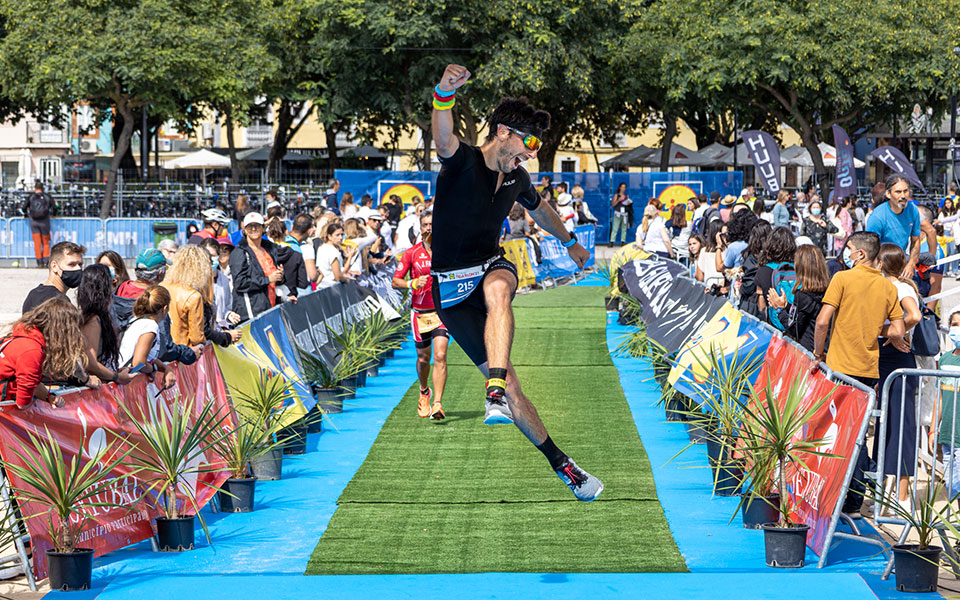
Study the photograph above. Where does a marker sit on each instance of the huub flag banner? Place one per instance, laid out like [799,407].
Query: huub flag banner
[895,159]
[765,153]
[846,181]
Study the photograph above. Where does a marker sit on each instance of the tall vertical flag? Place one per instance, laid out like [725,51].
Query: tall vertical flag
[765,153]
[846,181]
[895,159]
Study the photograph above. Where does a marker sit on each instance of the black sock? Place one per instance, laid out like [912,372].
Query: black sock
[494,379]
[552,453]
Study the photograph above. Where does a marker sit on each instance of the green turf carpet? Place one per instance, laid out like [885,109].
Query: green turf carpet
[458,496]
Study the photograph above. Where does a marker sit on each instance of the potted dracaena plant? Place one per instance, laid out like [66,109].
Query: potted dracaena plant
[66,491]
[379,336]
[917,565]
[249,440]
[717,413]
[264,405]
[608,271]
[353,355]
[170,454]
[775,439]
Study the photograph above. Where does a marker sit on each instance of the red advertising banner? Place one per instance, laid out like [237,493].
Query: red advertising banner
[92,419]
[816,490]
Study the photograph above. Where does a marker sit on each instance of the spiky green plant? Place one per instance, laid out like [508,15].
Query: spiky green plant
[266,398]
[353,355]
[247,441]
[172,447]
[379,334]
[775,438]
[66,489]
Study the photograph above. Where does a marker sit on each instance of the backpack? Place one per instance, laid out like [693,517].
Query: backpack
[703,223]
[38,207]
[784,280]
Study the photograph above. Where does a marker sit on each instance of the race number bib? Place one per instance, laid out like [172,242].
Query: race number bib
[455,286]
[427,322]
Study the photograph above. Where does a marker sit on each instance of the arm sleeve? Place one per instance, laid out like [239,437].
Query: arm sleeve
[211,330]
[528,198]
[404,266]
[194,309]
[244,279]
[457,160]
[28,368]
[835,292]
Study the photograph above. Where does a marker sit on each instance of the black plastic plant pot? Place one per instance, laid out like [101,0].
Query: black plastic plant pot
[674,408]
[758,510]
[293,439]
[329,399]
[612,303]
[175,535]
[351,383]
[389,353]
[70,571]
[916,569]
[314,418]
[714,447]
[361,378]
[727,479]
[236,495]
[268,467]
[785,546]
[373,369]
[698,431]
[381,361]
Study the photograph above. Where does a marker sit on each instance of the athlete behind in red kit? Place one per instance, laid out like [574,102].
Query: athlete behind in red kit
[473,285]
[428,331]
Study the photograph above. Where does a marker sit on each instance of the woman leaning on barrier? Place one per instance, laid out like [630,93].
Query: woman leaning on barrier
[44,342]
[898,355]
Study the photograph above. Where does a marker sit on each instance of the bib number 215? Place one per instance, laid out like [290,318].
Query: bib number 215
[465,286]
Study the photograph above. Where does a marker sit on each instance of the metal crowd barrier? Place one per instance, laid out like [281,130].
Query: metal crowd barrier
[936,468]
[126,236]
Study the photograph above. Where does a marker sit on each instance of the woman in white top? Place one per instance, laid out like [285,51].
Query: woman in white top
[329,259]
[707,261]
[357,238]
[141,344]
[897,354]
[653,231]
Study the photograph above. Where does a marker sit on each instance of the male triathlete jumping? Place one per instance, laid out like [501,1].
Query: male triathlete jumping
[473,284]
[428,330]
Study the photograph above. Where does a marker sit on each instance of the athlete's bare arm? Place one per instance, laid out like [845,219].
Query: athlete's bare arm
[548,220]
[444,140]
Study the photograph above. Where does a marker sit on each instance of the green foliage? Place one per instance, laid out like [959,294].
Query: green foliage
[247,441]
[265,402]
[172,449]
[772,439]
[67,490]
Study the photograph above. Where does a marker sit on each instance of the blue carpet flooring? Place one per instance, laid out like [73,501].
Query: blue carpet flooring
[263,554]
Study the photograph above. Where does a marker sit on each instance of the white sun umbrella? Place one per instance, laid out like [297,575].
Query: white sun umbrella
[829,154]
[201,159]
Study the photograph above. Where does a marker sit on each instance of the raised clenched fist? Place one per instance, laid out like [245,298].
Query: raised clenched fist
[454,76]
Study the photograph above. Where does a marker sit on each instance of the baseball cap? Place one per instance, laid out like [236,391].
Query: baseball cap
[253,217]
[225,240]
[150,259]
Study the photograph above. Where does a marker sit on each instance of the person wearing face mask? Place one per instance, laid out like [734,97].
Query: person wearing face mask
[857,304]
[64,272]
[945,415]
[118,270]
[816,227]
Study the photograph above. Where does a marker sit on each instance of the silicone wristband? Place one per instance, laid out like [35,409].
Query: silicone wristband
[438,106]
[569,243]
[444,94]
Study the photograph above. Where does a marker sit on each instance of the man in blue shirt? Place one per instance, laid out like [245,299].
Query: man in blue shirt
[897,221]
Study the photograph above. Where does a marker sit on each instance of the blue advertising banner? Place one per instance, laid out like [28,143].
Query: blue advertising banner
[598,188]
[273,335]
[129,236]
[554,259]
[86,232]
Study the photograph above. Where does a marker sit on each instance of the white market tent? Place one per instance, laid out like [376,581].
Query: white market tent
[798,156]
[201,159]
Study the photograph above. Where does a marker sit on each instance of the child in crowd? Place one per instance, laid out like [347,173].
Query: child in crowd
[800,318]
[140,343]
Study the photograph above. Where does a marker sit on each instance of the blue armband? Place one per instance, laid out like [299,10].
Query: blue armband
[569,243]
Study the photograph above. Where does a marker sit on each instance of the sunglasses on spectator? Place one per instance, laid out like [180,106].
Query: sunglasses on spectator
[530,141]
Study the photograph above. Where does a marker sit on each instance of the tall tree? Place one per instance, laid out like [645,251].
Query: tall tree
[810,64]
[125,54]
